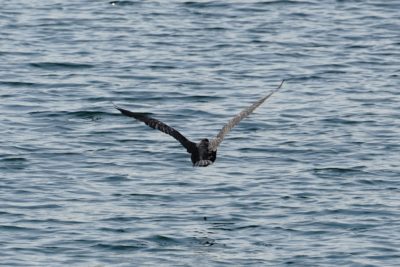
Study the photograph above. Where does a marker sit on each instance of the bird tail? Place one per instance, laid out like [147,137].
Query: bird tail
[202,163]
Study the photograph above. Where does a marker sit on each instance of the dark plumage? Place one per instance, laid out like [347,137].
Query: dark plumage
[203,153]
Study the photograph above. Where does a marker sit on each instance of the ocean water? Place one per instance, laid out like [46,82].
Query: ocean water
[311,178]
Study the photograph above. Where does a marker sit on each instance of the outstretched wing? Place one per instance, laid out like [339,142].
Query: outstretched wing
[233,122]
[156,124]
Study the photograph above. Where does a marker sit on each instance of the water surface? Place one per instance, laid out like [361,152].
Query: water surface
[310,179]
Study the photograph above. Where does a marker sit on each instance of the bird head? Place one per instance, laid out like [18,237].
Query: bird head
[204,142]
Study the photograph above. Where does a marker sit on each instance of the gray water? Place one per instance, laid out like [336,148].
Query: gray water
[312,178]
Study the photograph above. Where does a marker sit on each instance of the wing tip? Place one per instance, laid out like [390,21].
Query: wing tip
[277,88]
[280,85]
[115,106]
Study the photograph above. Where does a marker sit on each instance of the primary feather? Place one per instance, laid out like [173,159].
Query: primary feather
[156,124]
[235,121]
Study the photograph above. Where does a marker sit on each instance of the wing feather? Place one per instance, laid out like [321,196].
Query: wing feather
[233,122]
[156,124]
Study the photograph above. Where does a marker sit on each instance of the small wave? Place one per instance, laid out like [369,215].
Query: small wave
[122,3]
[19,84]
[37,207]
[121,247]
[210,4]
[339,169]
[15,163]
[14,159]
[329,171]
[163,241]
[15,228]
[341,121]
[60,65]
[90,115]
[284,2]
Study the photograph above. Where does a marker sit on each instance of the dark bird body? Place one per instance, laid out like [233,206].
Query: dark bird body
[203,153]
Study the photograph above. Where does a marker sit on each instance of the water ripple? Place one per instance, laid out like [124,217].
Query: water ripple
[309,179]
[60,65]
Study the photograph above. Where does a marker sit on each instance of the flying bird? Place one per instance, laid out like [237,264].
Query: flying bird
[204,152]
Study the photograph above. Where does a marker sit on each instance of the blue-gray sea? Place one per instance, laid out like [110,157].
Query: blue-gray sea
[311,178]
